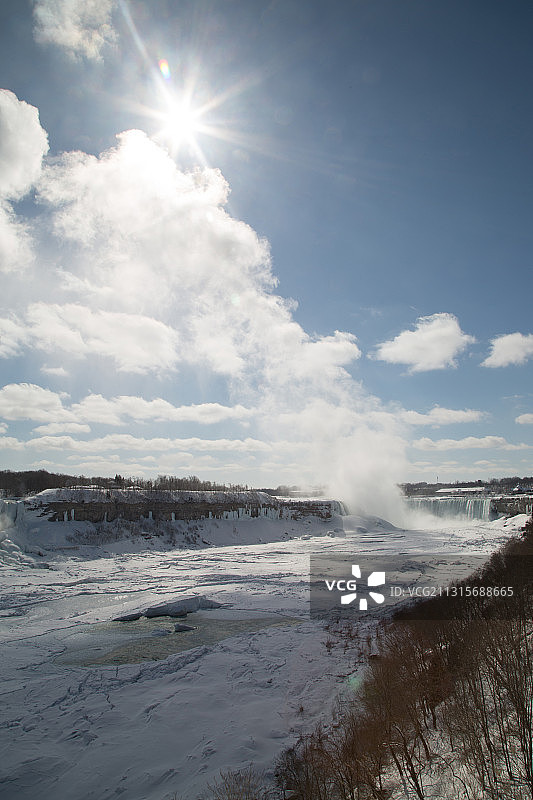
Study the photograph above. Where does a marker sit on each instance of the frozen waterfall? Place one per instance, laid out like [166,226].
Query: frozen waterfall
[466,507]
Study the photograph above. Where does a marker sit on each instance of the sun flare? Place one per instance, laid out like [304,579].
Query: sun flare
[181,124]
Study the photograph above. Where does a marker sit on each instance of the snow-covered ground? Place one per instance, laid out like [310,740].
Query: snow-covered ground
[80,722]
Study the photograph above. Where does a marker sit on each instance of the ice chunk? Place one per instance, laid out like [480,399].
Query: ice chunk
[181,607]
[175,608]
[128,617]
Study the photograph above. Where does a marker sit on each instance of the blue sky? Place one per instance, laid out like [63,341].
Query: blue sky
[311,263]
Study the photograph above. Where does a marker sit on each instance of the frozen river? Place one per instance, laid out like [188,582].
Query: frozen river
[236,689]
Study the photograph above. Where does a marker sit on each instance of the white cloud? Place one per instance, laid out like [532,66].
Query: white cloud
[326,354]
[82,286]
[513,348]
[479,469]
[11,444]
[12,337]
[15,242]
[60,372]
[80,27]
[62,427]
[23,144]
[125,441]
[525,419]
[468,443]
[161,240]
[111,465]
[434,344]
[137,343]
[20,401]
[439,416]
[95,408]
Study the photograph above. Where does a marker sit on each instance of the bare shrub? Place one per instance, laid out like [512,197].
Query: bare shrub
[304,769]
[244,784]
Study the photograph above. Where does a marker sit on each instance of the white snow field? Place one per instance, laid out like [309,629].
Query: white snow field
[86,713]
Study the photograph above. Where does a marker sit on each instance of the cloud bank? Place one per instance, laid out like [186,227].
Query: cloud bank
[469,443]
[28,401]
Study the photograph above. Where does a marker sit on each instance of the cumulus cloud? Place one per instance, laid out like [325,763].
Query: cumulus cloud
[80,27]
[23,144]
[524,419]
[28,401]
[16,251]
[135,342]
[439,416]
[59,372]
[62,427]
[161,240]
[435,343]
[125,441]
[95,408]
[20,401]
[328,353]
[12,337]
[468,443]
[11,444]
[177,461]
[513,348]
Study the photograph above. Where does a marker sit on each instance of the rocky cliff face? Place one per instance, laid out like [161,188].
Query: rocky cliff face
[510,506]
[100,505]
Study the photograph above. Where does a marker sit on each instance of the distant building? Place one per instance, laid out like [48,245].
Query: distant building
[463,490]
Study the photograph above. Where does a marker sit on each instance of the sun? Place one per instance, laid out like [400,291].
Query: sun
[181,123]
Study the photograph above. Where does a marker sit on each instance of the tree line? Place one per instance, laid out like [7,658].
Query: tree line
[20,484]
[498,485]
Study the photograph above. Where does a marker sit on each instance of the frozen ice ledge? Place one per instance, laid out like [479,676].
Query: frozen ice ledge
[106,505]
